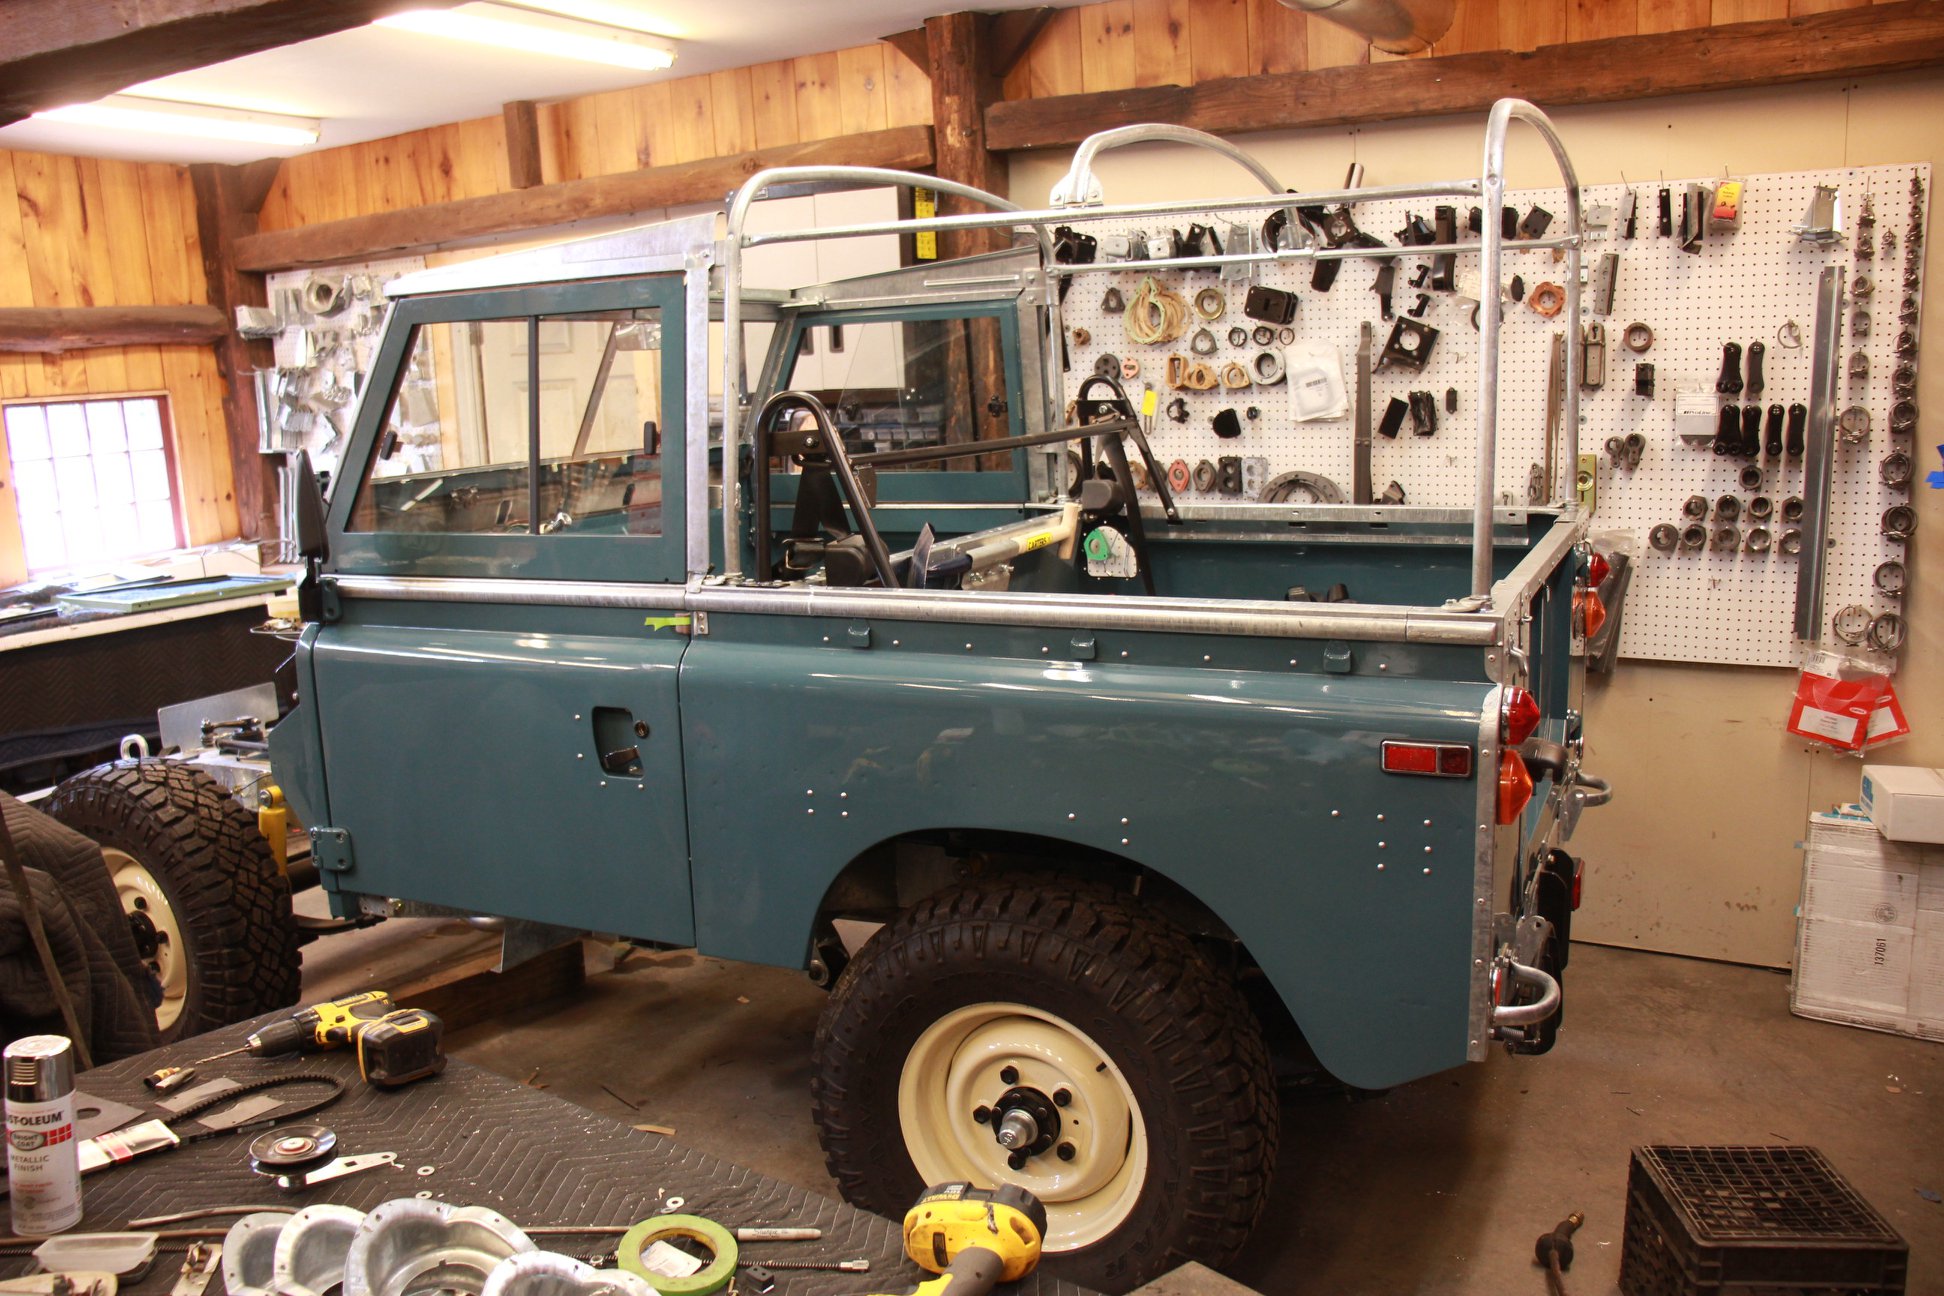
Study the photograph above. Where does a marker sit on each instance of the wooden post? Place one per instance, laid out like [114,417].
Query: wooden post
[522,118]
[963,85]
[227,201]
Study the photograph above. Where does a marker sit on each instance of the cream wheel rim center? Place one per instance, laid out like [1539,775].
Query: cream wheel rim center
[1090,1172]
[139,892]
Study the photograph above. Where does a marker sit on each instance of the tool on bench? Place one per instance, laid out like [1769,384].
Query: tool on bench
[973,1238]
[395,1045]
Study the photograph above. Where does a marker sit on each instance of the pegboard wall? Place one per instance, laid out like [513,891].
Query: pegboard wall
[1731,606]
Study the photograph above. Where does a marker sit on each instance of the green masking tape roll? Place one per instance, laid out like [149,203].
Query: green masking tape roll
[711,1278]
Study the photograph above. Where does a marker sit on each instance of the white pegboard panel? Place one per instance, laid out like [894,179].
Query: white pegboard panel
[1731,608]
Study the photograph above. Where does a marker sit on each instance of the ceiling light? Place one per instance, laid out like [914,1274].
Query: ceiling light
[533,31]
[171,117]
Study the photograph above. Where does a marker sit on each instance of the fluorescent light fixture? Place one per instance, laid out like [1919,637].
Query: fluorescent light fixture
[533,31]
[171,117]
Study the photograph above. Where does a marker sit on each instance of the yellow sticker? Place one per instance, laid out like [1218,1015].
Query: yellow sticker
[666,622]
[1148,402]
[1033,542]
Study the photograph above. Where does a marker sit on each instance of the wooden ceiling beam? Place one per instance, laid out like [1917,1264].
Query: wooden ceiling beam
[1853,42]
[563,205]
[48,330]
[522,122]
[55,52]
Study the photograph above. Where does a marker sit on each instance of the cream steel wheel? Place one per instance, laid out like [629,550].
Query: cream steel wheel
[158,931]
[998,1073]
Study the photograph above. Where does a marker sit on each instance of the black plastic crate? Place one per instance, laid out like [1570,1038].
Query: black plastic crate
[1773,1220]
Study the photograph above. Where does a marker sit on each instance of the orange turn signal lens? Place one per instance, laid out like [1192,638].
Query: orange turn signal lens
[1589,611]
[1514,786]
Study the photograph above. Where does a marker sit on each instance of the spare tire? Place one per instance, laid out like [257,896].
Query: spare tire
[209,908]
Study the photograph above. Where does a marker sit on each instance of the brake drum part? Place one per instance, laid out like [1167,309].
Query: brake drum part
[250,1253]
[415,1245]
[311,1250]
[636,1254]
[543,1273]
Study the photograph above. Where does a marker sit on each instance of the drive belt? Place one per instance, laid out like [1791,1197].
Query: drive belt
[284,1111]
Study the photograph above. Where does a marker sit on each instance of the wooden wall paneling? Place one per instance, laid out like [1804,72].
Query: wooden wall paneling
[652,122]
[1219,39]
[121,190]
[106,367]
[773,96]
[692,118]
[570,120]
[1528,24]
[1669,15]
[820,110]
[1053,63]
[1161,43]
[1474,27]
[1107,45]
[483,167]
[46,210]
[441,157]
[1734,11]
[1278,38]
[16,287]
[1597,19]
[13,555]
[732,111]
[907,91]
[861,96]
[1331,45]
[548,115]
[1797,8]
[202,445]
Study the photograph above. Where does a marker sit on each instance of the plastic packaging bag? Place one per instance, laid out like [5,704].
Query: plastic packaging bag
[1315,375]
[1846,702]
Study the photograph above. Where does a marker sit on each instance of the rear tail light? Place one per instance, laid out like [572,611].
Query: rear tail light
[1514,786]
[1597,568]
[1518,717]
[1579,877]
[1437,760]
[1589,610]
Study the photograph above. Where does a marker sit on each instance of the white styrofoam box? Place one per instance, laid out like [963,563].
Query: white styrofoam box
[1905,802]
[1870,935]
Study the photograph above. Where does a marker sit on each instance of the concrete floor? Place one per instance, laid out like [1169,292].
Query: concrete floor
[1436,1187]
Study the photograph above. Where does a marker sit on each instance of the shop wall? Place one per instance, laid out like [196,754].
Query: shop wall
[817,96]
[90,232]
[1698,853]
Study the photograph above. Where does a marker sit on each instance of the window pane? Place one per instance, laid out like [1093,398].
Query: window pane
[85,542]
[67,429]
[453,455]
[600,421]
[113,483]
[41,536]
[144,419]
[900,383]
[155,526]
[74,478]
[151,471]
[27,432]
[34,488]
[105,433]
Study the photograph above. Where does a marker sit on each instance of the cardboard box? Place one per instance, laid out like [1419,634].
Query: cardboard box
[1905,802]
[1870,930]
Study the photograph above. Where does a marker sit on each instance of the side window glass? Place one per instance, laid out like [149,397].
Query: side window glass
[453,455]
[893,384]
[600,423]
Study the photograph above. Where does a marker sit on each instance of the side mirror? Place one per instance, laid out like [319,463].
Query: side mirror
[312,542]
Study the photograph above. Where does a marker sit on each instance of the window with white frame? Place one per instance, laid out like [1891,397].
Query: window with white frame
[94,480]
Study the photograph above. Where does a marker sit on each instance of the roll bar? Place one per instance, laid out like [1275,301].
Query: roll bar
[1073,188]
[1489,188]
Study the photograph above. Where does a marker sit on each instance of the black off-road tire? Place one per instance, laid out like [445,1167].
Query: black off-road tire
[1180,1034]
[206,854]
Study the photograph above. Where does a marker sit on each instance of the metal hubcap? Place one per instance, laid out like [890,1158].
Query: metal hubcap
[157,930]
[1005,1093]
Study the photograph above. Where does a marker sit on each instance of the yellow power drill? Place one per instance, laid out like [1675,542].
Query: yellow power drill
[973,1238]
[395,1045]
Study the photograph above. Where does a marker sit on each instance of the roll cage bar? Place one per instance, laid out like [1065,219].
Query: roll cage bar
[739,422]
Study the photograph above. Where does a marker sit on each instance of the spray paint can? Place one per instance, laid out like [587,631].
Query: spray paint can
[43,1162]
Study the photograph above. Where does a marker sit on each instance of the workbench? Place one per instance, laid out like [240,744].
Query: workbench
[487,1141]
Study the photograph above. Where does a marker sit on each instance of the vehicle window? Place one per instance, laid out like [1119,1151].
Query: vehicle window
[453,455]
[600,423]
[890,384]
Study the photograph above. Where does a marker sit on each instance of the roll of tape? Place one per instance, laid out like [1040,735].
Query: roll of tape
[706,1281]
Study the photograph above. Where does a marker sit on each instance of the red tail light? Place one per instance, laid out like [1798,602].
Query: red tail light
[1438,760]
[1514,786]
[1579,877]
[1597,568]
[1518,717]
[1590,611]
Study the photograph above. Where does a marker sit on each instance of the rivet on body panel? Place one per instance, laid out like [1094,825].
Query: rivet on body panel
[1427,872]
[1380,866]
[1336,814]
[1070,815]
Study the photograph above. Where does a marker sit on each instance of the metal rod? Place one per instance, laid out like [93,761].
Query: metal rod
[961,450]
[1361,488]
[1492,311]
[1819,453]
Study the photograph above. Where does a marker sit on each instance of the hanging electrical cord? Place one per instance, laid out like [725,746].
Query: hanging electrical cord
[1155,315]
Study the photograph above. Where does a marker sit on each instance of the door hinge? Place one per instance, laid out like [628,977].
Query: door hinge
[331,849]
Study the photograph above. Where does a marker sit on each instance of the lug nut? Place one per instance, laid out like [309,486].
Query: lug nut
[1061,1097]
[982,1114]
[1017,1160]
[1065,1151]
[1010,1075]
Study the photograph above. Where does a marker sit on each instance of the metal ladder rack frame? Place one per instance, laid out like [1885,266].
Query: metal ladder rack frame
[1488,190]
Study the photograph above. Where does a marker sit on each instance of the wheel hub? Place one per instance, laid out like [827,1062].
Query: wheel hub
[1025,1123]
[147,939]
